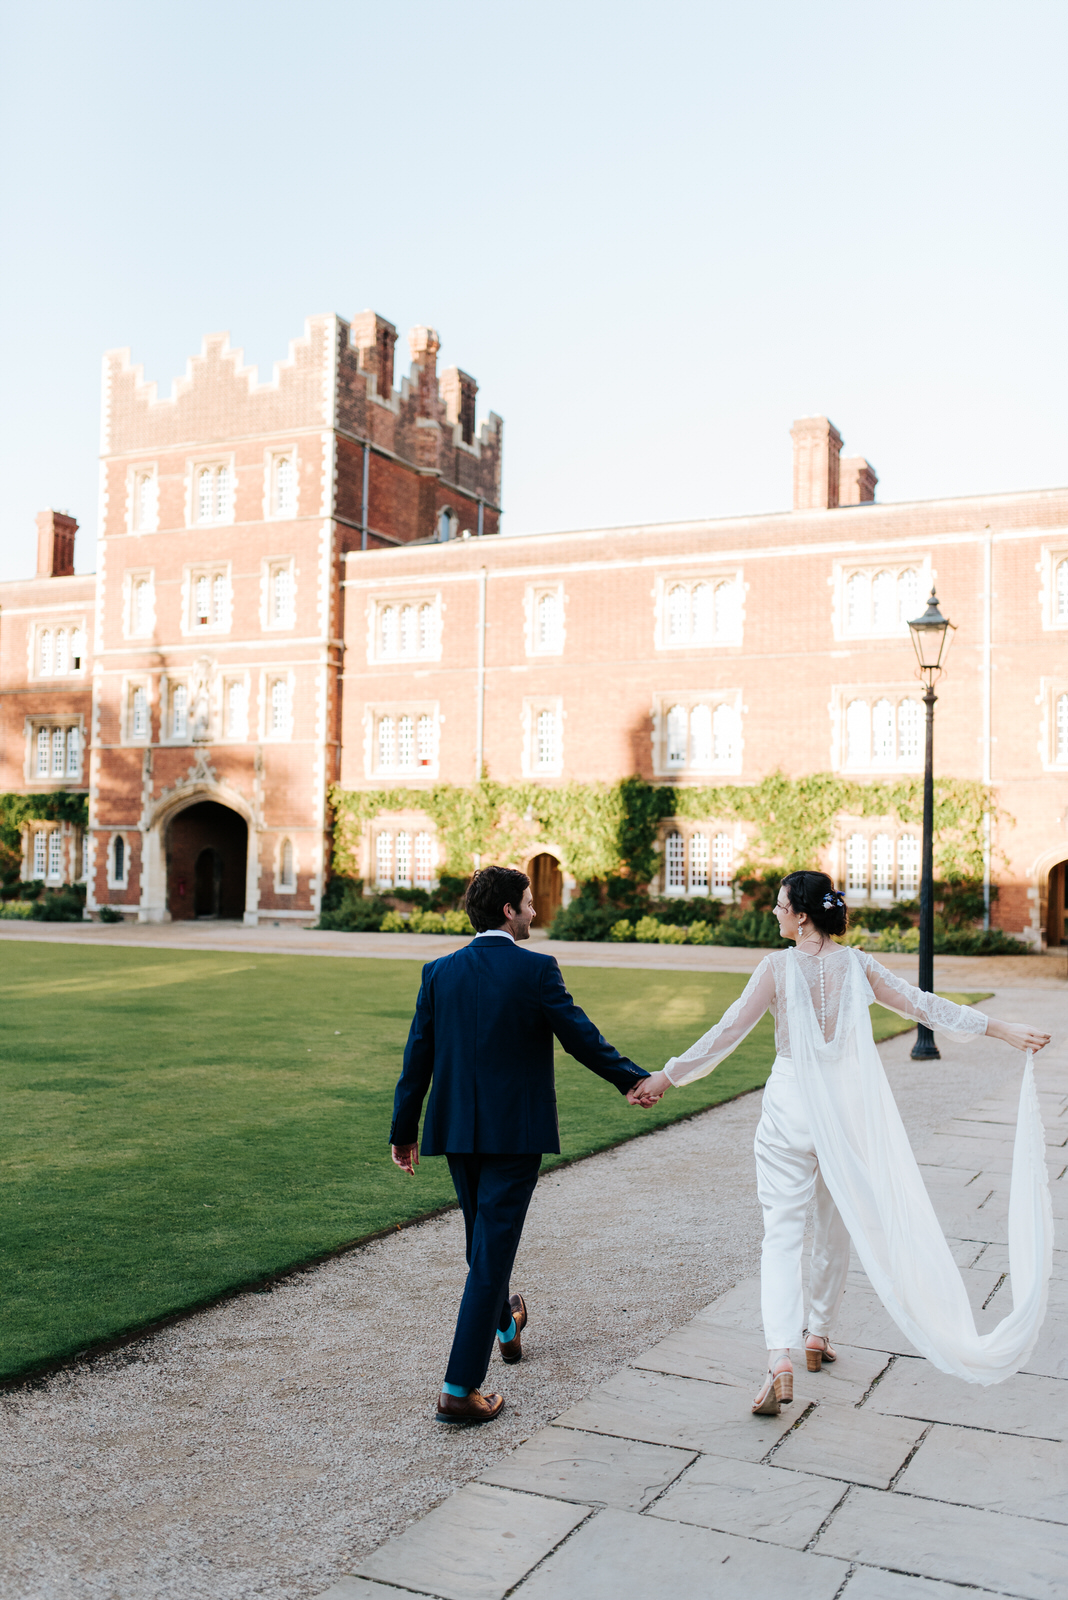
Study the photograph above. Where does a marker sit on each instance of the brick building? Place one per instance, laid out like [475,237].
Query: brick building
[292,591]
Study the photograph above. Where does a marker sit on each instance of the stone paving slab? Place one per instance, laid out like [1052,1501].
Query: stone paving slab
[617,1556]
[1011,1555]
[590,1468]
[754,1501]
[992,1471]
[714,1418]
[1034,1407]
[841,1442]
[476,1545]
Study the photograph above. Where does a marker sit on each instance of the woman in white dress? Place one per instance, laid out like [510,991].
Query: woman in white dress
[830,1130]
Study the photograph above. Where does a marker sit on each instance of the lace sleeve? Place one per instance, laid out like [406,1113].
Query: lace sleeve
[963,1022]
[738,1020]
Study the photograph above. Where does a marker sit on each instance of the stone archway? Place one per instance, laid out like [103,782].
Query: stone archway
[207,859]
[547,887]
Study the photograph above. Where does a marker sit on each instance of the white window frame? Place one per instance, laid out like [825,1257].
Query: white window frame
[1049,694]
[533,706]
[665,701]
[168,688]
[130,582]
[535,592]
[714,639]
[130,684]
[272,461]
[267,682]
[268,572]
[69,625]
[211,464]
[871,566]
[708,833]
[376,655]
[243,680]
[33,727]
[136,475]
[869,830]
[843,695]
[211,570]
[115,882]
[282,885]
[1051,557]
[54,864]
[415,709]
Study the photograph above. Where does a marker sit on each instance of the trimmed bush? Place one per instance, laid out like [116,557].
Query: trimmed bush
[669,933]
[701,933]
[393,922]
[621,932]
[17,910]
[456,922]
[647,930]
[107,914]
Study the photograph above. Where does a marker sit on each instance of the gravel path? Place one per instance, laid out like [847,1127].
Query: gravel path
[260,1448]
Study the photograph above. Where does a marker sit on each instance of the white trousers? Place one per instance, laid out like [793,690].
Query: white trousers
[788,1176]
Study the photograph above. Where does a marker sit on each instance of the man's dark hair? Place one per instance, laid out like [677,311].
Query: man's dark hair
[490,891]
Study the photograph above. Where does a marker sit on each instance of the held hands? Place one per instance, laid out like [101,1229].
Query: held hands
[405,1156]
[647,1091]
[1018,1034]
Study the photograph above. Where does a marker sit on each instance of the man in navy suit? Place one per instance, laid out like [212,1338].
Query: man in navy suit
[483,1035]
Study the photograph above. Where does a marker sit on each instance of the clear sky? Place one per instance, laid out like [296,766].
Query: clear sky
[655,233]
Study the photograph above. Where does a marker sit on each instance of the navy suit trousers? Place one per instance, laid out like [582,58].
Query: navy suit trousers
[494,1192]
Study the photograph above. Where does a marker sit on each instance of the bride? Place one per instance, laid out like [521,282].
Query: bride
[830,1129]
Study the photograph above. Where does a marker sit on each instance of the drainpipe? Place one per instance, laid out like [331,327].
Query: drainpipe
[481,509]
[480,703]
[988,581]
[366,478]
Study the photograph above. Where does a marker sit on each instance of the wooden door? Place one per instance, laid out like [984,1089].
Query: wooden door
[1057,905]
[547,887]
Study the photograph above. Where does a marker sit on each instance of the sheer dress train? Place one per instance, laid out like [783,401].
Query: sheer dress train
[830,1126]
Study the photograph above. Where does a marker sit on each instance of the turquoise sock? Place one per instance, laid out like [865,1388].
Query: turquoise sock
[509,1332]
[455,1388]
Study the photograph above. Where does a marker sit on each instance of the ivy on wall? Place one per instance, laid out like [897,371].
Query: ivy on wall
[18,809]
[610,830]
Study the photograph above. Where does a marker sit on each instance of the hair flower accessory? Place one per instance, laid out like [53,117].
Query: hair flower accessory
[833,899]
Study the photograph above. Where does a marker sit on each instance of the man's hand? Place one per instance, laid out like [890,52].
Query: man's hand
[647,1091]
[405,1156]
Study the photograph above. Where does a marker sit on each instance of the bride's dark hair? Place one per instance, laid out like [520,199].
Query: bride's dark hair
[815,894]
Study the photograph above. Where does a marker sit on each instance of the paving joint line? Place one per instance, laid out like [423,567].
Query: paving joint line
[559,1545]
[841,1587]
[893,1481]
[765,1460]
[810,1547]
[993,1291]
[876,1381]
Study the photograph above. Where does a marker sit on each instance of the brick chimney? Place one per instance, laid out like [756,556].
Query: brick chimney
[55,544]
[424,345]
[375,339]
[458,391]
[817,448]
[856,481]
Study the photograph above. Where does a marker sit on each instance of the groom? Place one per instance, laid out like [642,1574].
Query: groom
[483,1032]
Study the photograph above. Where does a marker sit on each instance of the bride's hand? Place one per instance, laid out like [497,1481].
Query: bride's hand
[1018,1034]
[649,1090]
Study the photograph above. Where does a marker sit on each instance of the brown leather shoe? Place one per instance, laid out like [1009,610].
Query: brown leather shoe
[474,1407]
[513,1350]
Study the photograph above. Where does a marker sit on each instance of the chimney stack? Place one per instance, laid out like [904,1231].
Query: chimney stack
[375,338]
[458,391]
[856,482]
[817,449]
[55,544]
[424,345]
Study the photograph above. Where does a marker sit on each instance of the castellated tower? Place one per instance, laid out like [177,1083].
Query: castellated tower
[226,512]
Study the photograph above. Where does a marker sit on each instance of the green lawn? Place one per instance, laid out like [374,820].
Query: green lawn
[177,1123]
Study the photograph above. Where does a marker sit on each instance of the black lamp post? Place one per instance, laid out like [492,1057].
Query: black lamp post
[929,637]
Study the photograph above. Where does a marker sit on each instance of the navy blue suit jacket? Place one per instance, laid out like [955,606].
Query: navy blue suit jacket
[483,1035]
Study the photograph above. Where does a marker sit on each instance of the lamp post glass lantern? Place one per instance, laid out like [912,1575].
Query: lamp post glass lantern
[930,638]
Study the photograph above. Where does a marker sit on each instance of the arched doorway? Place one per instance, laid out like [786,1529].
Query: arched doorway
[207,852]
[1057,906]
[547,887]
